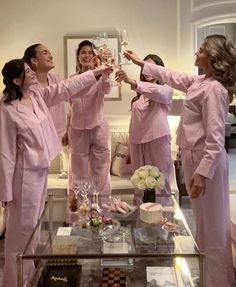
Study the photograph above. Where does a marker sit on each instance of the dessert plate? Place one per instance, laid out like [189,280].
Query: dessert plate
[163,221]
[120,216]
[170,227]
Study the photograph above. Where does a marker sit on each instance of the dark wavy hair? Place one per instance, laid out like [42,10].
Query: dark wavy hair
[80,46]
[11,70]
[158,61]
[222,61]
[30,53]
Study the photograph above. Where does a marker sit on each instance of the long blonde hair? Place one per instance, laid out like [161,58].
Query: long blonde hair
[222,61]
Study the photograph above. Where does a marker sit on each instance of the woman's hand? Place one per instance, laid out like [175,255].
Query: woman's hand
[122,76]
[197,185]
[107,57]
[131,55]
[4,204]
[107,69]
[65,140]
[93,63]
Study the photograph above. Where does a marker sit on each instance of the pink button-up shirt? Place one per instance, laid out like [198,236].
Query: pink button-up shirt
[59,109]
[30,135]
[87,109]
[205,108]
[149,112]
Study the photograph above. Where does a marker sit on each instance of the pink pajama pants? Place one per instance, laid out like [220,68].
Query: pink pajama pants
[211,213]
[29,192]
[90,155]
[157,153]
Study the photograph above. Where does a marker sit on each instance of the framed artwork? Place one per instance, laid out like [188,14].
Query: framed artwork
[70,47]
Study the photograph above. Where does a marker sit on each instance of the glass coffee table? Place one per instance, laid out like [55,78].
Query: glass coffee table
[121,251]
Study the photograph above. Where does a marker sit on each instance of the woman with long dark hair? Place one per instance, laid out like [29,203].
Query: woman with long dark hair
[40,60]
[149,134]
[88,130]
[28,144]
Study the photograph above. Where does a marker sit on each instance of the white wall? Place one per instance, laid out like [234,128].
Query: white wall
[151,25]
[164,27]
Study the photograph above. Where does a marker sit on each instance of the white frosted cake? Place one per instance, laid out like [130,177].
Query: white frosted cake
[151,212]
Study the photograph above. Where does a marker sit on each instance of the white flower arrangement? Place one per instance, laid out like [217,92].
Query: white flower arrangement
[148,177]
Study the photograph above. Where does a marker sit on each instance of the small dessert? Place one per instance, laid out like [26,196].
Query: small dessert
[106,220]
[95,222]
[169,224]
[95,219]
[84,209]
[151,213]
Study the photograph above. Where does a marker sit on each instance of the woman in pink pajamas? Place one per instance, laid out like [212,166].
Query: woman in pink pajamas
[201,136]
[149,134]
[88,130]
[28,143]
[40,60]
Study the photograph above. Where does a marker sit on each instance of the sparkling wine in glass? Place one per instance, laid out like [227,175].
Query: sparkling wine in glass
[124,40]
[100,43]
[115,62]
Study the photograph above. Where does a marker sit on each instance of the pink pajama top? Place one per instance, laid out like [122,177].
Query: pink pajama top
[87,109]
[149,112]
[203,116]
[29,135]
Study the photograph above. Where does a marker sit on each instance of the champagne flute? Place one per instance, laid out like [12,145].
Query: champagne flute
[100,43]
[96,188]
[96,40]
[115,62]
[102,50]
[86,186]
[77,187]
[124,40]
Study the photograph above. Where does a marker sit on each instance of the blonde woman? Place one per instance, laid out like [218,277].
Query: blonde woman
[201,137]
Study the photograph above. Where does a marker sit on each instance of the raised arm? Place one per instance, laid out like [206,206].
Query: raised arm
[70,87]
[159,93]
[179,81]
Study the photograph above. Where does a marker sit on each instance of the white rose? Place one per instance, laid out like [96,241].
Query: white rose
[143,173]
[142,184]
[140,169]
[147,167]
[161,181]
[150,182]
[134,179]
[154,171]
